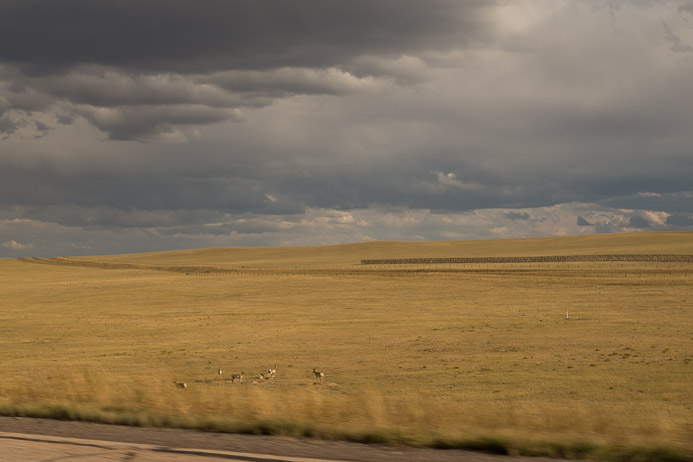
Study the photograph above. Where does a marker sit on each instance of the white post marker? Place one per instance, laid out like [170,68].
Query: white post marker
[566,314]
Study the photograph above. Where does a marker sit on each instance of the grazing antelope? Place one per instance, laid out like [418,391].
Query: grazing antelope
[262,377]
[272,372]
[319,375]
[180,384]
[238,377]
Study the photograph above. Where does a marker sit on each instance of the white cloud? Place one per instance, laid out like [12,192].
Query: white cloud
[449,180]
[14,245]
[656,218]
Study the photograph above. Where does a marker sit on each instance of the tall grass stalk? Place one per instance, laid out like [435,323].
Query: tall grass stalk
[368,416]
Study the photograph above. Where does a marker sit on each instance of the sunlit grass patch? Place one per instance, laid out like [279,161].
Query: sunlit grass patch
[471,359]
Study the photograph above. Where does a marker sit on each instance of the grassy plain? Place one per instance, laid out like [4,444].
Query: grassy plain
[442,355]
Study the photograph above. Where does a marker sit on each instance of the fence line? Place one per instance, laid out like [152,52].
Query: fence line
[533,259]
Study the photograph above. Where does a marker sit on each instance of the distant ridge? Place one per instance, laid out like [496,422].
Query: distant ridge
[653,243]
[228,268]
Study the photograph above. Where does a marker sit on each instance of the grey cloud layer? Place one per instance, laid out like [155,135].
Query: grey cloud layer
[318,226]
[131,68]
[368,119]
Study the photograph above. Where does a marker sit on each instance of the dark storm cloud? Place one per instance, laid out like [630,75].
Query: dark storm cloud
[46,191]
[9,126]
[638,222]
[210,35]
[684,221]
[131,68]
[141,121]
[672,202]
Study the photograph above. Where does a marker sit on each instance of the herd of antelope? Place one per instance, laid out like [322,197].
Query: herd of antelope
[269,375]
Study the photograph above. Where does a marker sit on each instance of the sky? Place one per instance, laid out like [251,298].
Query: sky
[147,125]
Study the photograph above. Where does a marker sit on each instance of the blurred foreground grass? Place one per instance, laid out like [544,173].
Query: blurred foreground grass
[477,359]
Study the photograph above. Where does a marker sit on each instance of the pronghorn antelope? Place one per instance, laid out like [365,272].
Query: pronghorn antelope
[262,377]
[238,377]
[319,375]
[272,372]
[180,384]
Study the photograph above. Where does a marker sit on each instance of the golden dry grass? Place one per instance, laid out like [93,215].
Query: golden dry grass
[419,357]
